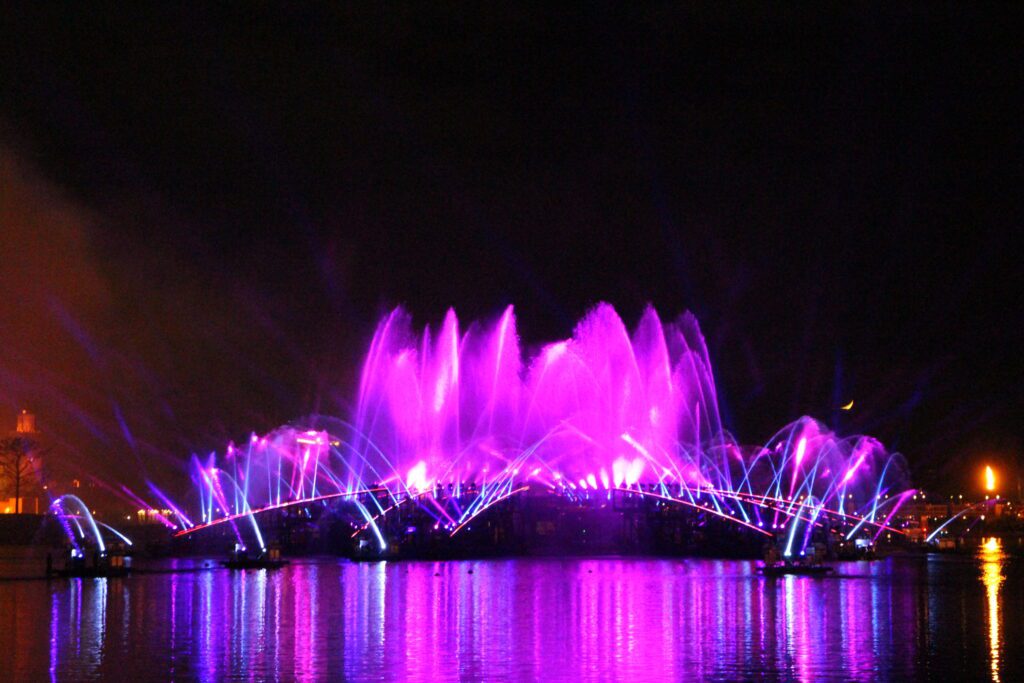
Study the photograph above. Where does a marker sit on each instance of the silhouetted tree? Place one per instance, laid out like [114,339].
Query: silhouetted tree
[18,465]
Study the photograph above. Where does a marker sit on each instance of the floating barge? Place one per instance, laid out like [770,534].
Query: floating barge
[795,570]
[103,565]
[268,559]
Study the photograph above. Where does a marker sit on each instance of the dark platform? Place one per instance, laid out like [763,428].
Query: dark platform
[796,570]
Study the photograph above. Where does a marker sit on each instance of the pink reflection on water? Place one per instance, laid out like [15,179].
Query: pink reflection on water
[550,619]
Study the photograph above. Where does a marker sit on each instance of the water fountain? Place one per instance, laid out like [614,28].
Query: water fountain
[452,422]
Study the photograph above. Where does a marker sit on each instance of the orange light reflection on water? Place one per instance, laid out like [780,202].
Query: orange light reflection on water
[992,558]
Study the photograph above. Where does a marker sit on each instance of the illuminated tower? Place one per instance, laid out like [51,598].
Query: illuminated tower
[26,423]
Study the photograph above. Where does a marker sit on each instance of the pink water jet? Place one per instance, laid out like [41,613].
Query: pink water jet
[464,405]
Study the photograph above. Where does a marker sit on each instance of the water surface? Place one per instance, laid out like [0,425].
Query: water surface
[941,618]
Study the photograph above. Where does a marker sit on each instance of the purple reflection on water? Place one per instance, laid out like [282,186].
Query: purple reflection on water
[54,621]
[527,619]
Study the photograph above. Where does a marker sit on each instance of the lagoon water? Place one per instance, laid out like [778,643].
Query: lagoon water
[602,619]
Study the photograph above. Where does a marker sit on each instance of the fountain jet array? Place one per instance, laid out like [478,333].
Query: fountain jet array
[450,412]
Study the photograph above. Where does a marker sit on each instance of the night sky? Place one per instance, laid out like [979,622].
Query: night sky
[203,214]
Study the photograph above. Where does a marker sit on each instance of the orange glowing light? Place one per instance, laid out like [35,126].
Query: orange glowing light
[848,406]
[990,479]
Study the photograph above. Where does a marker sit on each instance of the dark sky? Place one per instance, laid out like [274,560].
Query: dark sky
[204,213]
